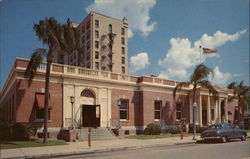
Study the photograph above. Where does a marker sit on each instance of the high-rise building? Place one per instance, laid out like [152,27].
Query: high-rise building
[105,43]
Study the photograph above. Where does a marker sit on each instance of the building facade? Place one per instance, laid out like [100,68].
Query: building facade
[106,99]
[105,43]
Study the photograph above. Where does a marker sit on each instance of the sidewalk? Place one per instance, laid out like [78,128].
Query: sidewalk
[96,147]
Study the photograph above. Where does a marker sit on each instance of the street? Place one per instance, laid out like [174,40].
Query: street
[231,150]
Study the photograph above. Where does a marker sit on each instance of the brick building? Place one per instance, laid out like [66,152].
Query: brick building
[105,96]
[105,99]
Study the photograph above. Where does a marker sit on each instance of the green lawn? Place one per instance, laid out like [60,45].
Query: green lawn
[143,137]
[21,144]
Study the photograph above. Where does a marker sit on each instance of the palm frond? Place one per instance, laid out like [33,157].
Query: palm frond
[201,72]
[36,59]
[180,86]
[206,84]
[232,85]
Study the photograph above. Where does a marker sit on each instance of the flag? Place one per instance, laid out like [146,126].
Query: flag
[209,51]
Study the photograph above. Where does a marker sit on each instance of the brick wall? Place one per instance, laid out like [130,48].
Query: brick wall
[25,106]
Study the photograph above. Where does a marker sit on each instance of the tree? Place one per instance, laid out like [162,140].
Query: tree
[58,38]
[241,93]
[198,79]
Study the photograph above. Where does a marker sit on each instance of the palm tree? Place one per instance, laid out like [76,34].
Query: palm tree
[241,93]
[198,79]
[58,38]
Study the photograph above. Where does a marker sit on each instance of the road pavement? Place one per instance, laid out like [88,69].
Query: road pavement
[231,150]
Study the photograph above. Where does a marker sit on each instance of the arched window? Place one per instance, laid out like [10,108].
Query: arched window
[88,93]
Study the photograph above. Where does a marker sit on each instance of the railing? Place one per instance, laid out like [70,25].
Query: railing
[124,77]
[158,81]
[115,123]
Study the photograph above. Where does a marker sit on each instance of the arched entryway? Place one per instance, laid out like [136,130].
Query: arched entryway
[90,110]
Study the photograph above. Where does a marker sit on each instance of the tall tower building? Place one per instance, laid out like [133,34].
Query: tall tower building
[105,43]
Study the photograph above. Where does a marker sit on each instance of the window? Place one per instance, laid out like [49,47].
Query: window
[83,39]
[40,114]
[123,50]
[110,28]
[88,45]
[123,60]
[83,29]
[157,110]
[97,44]
[88,25]
[97,55]
[124,109]
[96,23]
[123,69]
[123,41]
[122,31]
[97,65]
[88,35]
[96,34]
[178,111]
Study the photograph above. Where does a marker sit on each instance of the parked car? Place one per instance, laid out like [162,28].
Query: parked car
[223,132]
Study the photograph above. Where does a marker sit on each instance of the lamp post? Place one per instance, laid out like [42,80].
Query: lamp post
[194,125]
[72,101]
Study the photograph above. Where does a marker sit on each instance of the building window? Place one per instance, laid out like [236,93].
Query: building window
[88,35]
[123,50]
[123,41]
[123,69]
[40,114]
[87,93]
[157,110]
[122,31]
[96,34]
[97,65]
[178,111]
[88,45]
[97,55]
[124,109]
[88,25]
[97,44]
[96,23]
[123,60]
[83,39]
[110,28]
[83,29]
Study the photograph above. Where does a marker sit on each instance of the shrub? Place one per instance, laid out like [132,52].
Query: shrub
[23,131]
[5,130]
[152,129]
[174,130]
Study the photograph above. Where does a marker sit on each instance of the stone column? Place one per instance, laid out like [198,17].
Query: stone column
[219,110]
[208,110]
[200,110]
[191,110]
[226,110]
[216,119]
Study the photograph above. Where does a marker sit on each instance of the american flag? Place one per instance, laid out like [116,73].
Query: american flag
[209,51]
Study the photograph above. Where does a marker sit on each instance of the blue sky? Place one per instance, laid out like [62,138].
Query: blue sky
[164,34]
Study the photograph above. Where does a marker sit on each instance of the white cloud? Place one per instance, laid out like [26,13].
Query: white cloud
[139,62]
[182,55]
[220,78]
[137,12]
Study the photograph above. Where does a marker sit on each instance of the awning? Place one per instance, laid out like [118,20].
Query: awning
[40,101]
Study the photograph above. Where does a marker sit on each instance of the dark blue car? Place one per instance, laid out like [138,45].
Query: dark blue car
[223,132]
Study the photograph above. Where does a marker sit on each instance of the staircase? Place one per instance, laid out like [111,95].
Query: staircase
[97,134]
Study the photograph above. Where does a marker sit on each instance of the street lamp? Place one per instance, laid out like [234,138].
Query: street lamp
[72,101]
[194,125]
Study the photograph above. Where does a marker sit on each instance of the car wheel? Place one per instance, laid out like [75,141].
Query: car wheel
[243,137]
[224,139]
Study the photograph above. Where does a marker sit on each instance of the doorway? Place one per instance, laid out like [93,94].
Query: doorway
[91,115]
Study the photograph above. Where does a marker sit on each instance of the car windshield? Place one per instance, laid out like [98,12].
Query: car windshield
[215,127]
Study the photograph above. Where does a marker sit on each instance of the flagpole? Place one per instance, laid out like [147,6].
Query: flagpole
[200,54]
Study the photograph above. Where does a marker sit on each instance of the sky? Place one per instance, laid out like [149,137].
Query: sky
[164,35]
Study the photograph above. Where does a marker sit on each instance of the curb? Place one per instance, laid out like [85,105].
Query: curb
[97,151]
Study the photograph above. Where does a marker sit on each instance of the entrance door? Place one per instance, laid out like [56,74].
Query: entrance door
[91,115]
[204,117]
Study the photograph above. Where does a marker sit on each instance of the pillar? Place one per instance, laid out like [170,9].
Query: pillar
[226,110]
[208,110]
[200,110]
[219,110]
[191,110]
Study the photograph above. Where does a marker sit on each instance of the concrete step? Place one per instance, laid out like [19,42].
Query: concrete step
[97,134]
